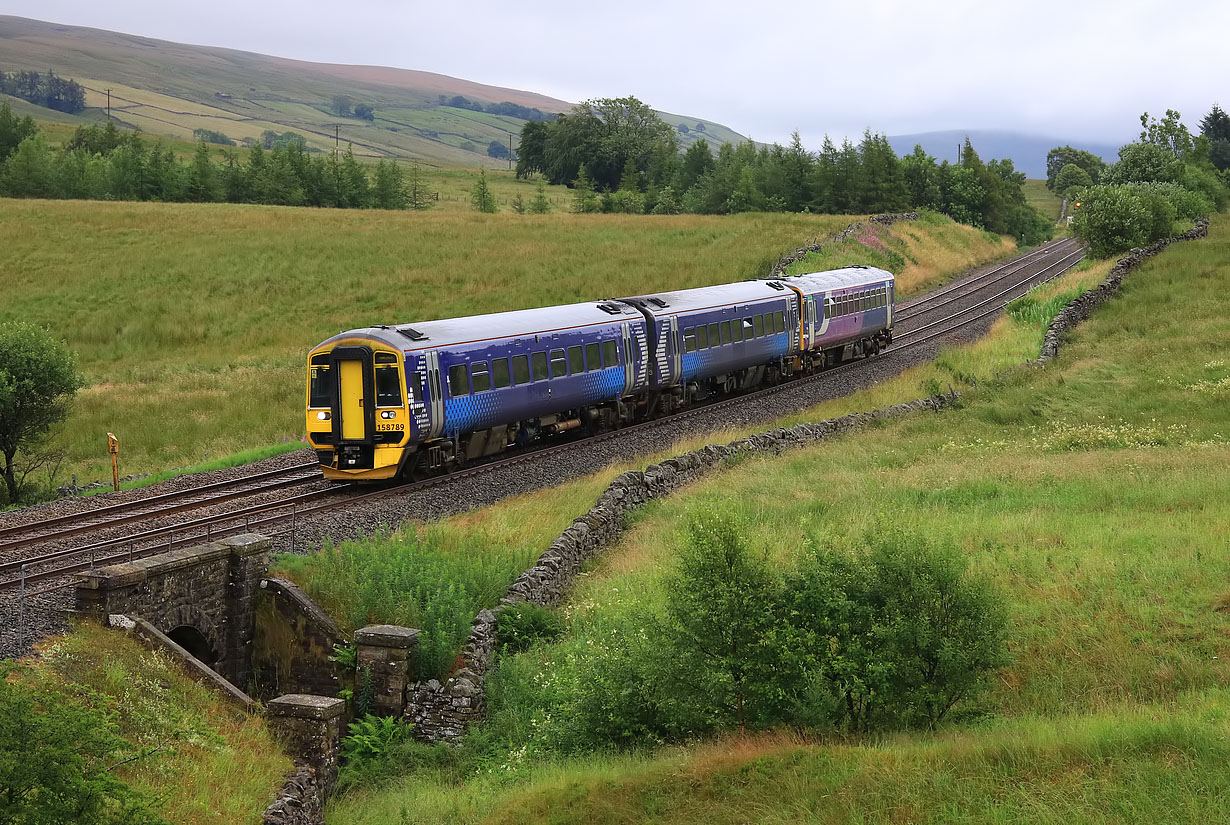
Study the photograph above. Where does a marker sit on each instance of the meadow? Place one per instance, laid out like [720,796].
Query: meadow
[1090,491]
[191,321]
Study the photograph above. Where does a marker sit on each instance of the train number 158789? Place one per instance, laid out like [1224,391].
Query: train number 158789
[389,428]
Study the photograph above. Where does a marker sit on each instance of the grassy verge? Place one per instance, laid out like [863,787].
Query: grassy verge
[205,761]
[191,320]
[1042,199]
[1090,490]
[225,462]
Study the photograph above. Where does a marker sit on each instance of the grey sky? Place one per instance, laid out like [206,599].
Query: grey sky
[1079,70]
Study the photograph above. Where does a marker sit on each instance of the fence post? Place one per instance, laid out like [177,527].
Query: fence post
[21,608]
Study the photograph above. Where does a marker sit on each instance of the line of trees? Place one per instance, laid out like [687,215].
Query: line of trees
[1169,174]
[620,157]
[106,163]
[48,90]
[505,108]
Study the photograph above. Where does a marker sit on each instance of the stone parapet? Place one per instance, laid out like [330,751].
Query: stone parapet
[385,656]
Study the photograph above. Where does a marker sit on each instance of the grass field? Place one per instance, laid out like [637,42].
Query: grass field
[205,761]
[1042,199]
[1092,491]
[191,321]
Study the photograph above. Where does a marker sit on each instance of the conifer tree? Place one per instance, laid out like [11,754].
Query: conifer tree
[481,197]
[540,205]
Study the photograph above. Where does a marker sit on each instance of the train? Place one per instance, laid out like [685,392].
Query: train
[405,400]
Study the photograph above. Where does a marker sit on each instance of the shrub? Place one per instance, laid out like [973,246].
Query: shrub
[1111,219]
[523,624]
[368,748]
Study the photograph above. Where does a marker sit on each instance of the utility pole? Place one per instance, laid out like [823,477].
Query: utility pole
[510,151]
[337,138]
[108,104]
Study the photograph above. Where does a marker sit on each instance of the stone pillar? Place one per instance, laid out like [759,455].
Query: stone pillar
[249,561]
[385,655]
[310,728]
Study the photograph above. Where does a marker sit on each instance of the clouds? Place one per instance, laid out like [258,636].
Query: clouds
[1071,69]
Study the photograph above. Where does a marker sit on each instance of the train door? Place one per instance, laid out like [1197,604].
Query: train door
[625,331]
[673,349]
[353,406]
[890,288]
[811,321]
[827,310]
[435,398]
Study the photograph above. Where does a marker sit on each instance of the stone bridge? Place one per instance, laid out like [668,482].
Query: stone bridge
[202,597]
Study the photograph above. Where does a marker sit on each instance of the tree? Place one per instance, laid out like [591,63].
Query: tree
[531,150]
[38,379]
[722,622]
[583,199]
[1216,124]
[518,204]
[389,188]
[56,751]
[364,111]
[13,130]
[30,171]
[540,205]
[1111,219]
[1070,177]
[1168,133]
[417,196]
[496,149]
[1061,156]
[341,105]
[481,196]
[204,183]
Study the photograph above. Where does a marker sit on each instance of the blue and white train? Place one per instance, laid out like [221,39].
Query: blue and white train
[392,401]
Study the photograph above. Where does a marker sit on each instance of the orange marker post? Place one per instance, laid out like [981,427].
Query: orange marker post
[113,447]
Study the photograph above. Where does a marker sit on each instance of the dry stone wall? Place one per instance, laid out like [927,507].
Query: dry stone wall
[441,711]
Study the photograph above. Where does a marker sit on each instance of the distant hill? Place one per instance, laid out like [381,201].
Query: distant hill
[172,89]
[1028,152]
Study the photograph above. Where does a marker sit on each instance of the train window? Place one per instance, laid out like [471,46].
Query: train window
[736,326]
[388,386]
[559,367]
[320,392]
[779,321]
[702,337]
[458,380]
[499,373]
[593,357]
[758,323]
[715,335]
[480,377]
[726,339]
[689,340]
[521,369]
[610,353]
[539,361]
[416,387]
[576,360]
[749,331]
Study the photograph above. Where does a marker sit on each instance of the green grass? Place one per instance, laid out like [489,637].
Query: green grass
[233,460]
[1042,199]
[1092,491]
[207,761]
[191,321]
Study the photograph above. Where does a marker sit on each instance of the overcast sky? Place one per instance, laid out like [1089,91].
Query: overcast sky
[1073,69]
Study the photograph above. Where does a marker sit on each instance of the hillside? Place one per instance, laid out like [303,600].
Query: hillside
[167,88]
[1028,152]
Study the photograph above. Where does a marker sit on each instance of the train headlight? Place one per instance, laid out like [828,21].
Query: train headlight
[323,416]
[388,414]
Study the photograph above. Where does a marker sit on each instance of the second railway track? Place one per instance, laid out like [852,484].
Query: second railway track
[955,307]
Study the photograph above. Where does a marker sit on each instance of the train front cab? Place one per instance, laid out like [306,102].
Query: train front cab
[357,418]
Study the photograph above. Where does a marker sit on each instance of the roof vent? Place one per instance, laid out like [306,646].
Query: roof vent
[658,302]
[611,308]
[412,333]
[776,284]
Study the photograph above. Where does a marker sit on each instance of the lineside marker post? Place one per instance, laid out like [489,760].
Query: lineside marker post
[113,447]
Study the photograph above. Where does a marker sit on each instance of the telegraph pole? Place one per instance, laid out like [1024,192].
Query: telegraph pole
[108,104]
[510,151]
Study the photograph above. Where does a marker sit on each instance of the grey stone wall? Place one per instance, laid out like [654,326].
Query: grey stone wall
[310,728]
[293,643]
[210,587]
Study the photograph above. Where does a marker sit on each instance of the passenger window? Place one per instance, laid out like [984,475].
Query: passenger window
[726,332]
[458,380]
[758,323]
[715,335]
[702,337]
[388,386]
[521,368]
[593,357]
[780,321]
[320,394]
[499,373]
[610,354]
[479,377]
[559,367]
[749,331]
[576,360]
[736,327]
[416,387]
[689,340]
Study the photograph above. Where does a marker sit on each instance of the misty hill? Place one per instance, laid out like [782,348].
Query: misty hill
[166,88]
[1028,152]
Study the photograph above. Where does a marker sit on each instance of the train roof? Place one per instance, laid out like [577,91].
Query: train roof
[846,278]
[518,323]
[684,300]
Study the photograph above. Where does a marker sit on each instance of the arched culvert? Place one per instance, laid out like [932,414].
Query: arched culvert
[194,641]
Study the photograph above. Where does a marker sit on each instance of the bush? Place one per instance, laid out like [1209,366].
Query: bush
[1111,219]
[369,748]
[522,625]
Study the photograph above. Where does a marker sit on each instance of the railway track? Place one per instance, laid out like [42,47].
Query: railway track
[41,555]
